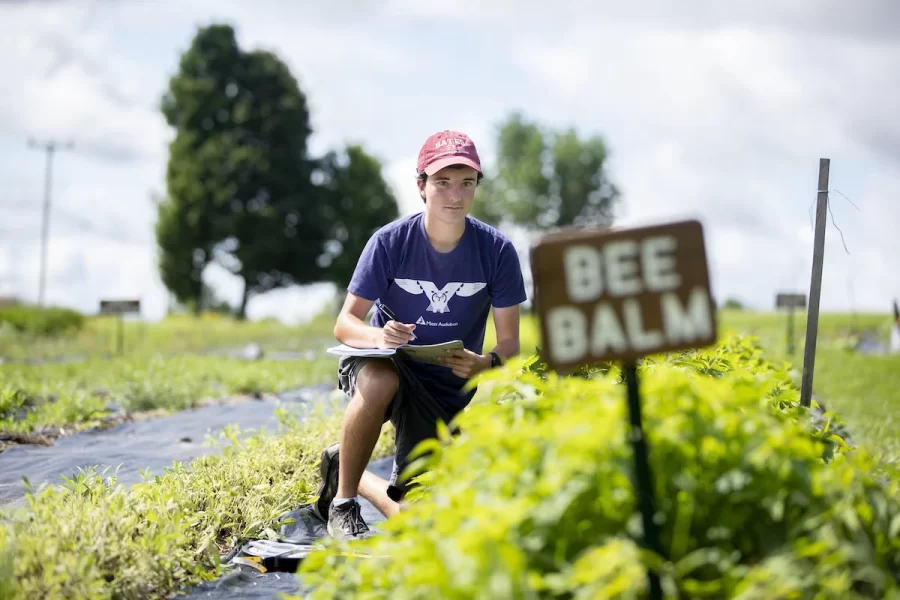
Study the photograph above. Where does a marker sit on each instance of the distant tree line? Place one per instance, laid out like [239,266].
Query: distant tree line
[244,192]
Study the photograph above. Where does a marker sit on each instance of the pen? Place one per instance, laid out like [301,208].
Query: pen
[389,314]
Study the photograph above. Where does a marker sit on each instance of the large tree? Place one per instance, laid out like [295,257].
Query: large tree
[238,180]
[546,179]
[356,200]
[181,252]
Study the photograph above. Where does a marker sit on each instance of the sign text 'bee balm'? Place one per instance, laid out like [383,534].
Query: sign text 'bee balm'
[622,294]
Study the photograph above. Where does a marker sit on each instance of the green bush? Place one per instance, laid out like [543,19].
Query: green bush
[535,498]
[37,320]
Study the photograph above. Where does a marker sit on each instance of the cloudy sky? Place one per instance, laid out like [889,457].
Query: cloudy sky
[717,110]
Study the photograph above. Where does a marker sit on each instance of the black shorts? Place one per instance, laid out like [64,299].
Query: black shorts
[414,412]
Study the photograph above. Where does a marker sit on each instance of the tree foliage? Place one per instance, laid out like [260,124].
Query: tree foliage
[240,178]
[733,304]
[357,201]
[182,252]
[547,179]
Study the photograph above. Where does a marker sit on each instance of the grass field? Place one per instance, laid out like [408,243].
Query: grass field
[175,334]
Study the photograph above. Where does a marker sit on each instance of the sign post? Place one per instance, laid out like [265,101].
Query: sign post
[621,295]
[790,301]
[815,284]
[120,307]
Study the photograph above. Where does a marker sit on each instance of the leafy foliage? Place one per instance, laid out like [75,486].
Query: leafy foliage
[547,179]
[42,321]
[733,304]
[535,498]
[356,202]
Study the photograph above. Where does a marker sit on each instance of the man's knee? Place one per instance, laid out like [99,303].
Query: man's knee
[377,383]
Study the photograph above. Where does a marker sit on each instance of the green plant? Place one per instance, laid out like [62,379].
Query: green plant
[535,498]
[36,320]
[11,401]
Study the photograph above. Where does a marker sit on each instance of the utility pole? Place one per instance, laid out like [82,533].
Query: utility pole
[49,148]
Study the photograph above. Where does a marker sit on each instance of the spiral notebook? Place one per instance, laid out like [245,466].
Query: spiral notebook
[424,352]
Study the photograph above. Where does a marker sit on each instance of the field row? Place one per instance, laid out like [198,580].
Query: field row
[42,399]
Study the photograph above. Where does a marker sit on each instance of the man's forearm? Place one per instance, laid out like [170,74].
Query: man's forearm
[354,332]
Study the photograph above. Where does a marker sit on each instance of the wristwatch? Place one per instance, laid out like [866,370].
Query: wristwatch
[495,359]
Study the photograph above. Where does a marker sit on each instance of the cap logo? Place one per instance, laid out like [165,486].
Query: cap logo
[448,141]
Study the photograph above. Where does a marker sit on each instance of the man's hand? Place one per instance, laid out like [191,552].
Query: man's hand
[394,334]
[466,363]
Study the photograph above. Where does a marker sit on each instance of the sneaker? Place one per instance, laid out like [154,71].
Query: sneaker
[328,469]
[345,521]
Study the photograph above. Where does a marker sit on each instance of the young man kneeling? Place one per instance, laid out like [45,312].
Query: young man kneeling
[440,271]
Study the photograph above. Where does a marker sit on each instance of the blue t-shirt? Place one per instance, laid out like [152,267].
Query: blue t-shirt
[447,295]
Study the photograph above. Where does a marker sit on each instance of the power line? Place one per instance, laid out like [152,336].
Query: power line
[49,147]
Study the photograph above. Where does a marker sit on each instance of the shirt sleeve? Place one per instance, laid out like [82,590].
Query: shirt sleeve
[508,287]
[373,271]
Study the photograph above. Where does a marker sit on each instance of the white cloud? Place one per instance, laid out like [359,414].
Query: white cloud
[727,125]
[865,18]
[716,111]
[65,81]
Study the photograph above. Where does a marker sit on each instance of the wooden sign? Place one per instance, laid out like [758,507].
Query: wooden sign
[790,300]
[118,307]
[606,294]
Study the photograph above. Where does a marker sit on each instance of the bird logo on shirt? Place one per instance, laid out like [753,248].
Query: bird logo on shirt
[439,298]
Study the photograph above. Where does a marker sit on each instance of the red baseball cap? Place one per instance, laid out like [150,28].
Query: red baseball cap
[447,148]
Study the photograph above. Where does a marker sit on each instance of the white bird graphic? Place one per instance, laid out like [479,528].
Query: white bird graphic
[438,299]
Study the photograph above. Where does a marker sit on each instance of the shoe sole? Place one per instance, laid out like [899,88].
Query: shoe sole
[329,463]
[343,536]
